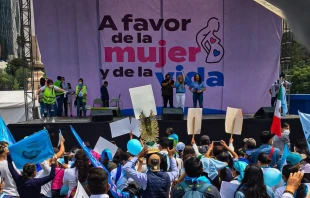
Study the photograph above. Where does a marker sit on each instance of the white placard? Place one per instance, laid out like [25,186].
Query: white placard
[194,118]
[142,99]
[233,121]
[134,127]
[120,127]
[105,144]
[228,189]
[80,192]
[59,137]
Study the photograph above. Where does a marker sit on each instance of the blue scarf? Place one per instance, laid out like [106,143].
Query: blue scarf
[197,179]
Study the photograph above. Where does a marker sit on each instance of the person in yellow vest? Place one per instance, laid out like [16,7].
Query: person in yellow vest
[81,94]
[49,98]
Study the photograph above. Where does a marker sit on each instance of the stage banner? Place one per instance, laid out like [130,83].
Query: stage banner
[233,45]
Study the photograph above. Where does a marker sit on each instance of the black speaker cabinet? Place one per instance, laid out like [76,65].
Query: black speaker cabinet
[265,113]
[172,114]
[101,115]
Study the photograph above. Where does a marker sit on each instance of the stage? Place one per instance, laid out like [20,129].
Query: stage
[212,125]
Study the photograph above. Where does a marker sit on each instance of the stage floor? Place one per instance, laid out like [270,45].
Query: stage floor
[69,120]
[212,125]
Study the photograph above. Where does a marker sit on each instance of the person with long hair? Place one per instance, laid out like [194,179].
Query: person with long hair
[27,185]
[197,88]
[263,160]
[69,96]
[180,91]
[253,185]
[78,171]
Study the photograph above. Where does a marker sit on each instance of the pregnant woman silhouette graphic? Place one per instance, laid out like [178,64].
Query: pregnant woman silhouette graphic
[211,44]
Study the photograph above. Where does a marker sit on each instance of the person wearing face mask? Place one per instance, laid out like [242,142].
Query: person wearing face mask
[279,142]
[105,94]
[81,94]
[49,98]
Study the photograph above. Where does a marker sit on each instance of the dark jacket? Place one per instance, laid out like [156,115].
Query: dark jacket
[158,185]
[168,89]
[30,187]
[104,93]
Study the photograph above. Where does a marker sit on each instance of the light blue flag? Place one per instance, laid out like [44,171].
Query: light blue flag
[113,189]
[5,134]
[286,152]
[305,123]
[33,149]
[283,101]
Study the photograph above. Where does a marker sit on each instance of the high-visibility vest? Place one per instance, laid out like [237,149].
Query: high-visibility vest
[83,91]
[49,96]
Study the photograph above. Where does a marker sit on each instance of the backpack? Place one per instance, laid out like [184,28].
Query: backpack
[194,192]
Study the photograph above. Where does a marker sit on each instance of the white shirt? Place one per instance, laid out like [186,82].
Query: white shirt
[44,87]
[10,186]
[70,179]
[46,169]
[274,89]
[99,196]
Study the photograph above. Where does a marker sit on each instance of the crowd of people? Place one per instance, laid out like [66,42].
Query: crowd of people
[168,169]
[56,98]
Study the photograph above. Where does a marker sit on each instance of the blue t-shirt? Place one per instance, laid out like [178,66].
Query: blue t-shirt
[266,148]
[179,87]
[196,86]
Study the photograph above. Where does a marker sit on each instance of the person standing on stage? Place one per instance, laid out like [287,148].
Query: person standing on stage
[81,94]
[197,87]
[167,90]
[65,87]
[105,94]
[180,91]
[59,96]
[49,98]
[273,92]
[69,96]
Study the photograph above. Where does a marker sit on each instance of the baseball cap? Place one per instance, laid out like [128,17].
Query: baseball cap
[249,141]
[205,138]
[180,146]
[295,158]
[154,163]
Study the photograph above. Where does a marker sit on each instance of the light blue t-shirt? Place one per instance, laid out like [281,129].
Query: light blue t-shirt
[266,148]
[196,86]
[179,87]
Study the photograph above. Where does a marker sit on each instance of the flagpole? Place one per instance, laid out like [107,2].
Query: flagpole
[193,130]
[232,128]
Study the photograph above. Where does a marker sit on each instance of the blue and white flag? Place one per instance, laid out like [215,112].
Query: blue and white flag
[286,152]
[283,101]
[33,149]
[113,189]
[5,134]
[305,123]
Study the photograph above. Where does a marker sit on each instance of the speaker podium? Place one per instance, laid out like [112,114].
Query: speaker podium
[172,114]
[264,113]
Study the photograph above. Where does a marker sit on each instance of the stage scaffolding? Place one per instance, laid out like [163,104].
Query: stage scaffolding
[28,61]
[287,56]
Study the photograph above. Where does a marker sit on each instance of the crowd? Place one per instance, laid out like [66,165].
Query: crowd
[169,169]
[56,98]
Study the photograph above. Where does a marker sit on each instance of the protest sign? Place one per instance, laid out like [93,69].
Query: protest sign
[5,134]
[104,144]
[233,121]
[33,149]
[194,119]
[120,127]
[134,127]
[228,189]
[142,99]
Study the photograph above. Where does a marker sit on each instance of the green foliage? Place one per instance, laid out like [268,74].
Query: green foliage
[300,72]
[7,81]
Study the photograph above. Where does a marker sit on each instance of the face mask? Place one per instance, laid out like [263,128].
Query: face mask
[51,86]
[286,131]
[80,83]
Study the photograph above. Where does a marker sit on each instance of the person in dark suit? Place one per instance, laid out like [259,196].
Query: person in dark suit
[105,94]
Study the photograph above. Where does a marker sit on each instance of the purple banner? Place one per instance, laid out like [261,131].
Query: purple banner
[233,45]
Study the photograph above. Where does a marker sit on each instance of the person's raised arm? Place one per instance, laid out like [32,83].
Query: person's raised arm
[62,148]
[293,183]
[50,177]
[209,150]
[140,178]
[195,147]
[14,173]
[223,143]
[173,166]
